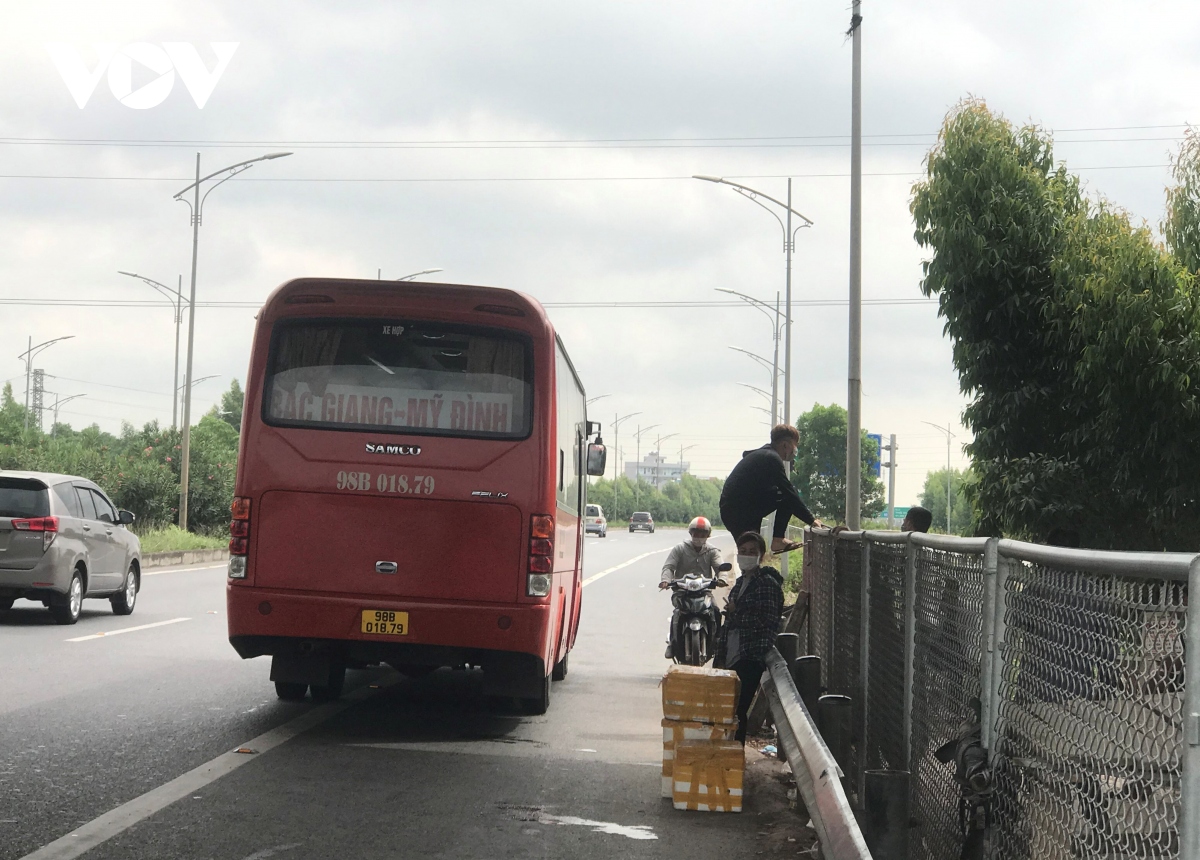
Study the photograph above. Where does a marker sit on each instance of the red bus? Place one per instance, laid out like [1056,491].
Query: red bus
[410,488]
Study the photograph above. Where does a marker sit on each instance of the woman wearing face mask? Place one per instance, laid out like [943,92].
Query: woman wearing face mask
[751,620]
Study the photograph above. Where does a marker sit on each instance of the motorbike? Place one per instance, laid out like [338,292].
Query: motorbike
[696,620]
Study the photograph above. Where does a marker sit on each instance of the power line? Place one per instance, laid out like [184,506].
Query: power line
[591,305]
[106,385]
[466,179]
[560,143]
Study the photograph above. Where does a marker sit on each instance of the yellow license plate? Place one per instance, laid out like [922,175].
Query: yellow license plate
[384,622]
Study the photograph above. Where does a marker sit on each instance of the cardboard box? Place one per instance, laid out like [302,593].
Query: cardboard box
[701,695]
[708,776]
[676,732]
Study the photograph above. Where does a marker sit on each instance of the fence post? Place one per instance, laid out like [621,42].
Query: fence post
[992,709]
[910,635]
[886,813]
[835,721]
[864,658]
[1189,824]
[989,689]
[806,672]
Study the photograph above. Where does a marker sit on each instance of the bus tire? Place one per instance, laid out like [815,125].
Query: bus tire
[560,669]
[538,704]
[290,691]
[332,691]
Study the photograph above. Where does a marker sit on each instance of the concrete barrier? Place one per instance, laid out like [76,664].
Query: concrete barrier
[186,556]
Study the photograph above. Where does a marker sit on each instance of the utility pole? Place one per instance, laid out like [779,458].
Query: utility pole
[637,466]
[949,497]
[891,467]
[617,444]
[854,383]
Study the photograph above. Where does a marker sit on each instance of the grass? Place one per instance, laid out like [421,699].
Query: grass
[174,539]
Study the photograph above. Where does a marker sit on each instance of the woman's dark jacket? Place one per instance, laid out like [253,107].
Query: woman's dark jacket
[758,602]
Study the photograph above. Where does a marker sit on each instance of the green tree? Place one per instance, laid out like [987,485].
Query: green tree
[933,497]
[819,472]
[232,402]
[1075,335]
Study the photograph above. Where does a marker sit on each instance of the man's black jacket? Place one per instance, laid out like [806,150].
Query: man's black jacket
[759,485]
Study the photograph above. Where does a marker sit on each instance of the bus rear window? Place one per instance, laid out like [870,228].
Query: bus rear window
[399,376]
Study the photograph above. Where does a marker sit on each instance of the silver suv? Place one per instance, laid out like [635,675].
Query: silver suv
[61,540]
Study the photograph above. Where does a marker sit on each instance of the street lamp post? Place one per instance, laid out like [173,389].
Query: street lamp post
[197,209]
[776,325]
[637,463]
[57,404]
[658,459]
[681,450]
[617,445]
[789,243]
[196,382]
[28,356]
[949,436]
[176,298]
[418,274]
[772,367]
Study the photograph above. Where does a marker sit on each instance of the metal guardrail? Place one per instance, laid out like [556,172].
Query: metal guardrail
[1044,700]
[818,777]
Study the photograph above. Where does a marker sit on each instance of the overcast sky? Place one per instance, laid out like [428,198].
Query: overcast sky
[648,93]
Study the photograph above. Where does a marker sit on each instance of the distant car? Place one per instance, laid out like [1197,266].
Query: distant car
[61,540]
[641,521]
[594,521]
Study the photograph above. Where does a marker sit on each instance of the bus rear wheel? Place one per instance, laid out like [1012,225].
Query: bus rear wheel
[538,704]
[290,692]
[331,691]
[560,669]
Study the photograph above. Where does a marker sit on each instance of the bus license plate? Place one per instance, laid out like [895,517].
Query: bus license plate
[384,622]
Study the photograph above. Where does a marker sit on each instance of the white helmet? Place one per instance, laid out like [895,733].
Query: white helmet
[700,524]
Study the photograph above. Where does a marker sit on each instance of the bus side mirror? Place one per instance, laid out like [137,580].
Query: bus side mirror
[596,457]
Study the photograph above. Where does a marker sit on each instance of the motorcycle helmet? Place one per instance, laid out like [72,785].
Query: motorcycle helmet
[700,524]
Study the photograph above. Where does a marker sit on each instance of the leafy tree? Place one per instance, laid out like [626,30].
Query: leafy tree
[933,497]
[677,502]
[232,402]
[819,472]
[139,468]
[1075,335]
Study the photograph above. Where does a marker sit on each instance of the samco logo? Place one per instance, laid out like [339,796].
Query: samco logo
[404,450]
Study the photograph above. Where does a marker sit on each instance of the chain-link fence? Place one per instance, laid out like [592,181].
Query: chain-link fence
[1039,697]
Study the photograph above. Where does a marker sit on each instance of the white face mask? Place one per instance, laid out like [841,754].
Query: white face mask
[747,562]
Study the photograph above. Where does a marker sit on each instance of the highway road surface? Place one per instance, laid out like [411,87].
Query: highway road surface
[147,737]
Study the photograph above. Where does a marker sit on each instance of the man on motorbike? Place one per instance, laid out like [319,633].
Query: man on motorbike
[692,556]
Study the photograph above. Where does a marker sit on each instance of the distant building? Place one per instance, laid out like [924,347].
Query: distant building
[655,469]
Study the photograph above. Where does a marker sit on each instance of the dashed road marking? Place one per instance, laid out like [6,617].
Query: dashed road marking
[155,571]
[99,830]
[617,567]
[107,633]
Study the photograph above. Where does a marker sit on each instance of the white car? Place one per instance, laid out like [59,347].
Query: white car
[594,521]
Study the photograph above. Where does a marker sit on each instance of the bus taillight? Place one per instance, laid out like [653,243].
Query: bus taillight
[541,555]
[239,540]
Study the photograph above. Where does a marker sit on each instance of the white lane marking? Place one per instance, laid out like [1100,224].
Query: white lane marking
[108,633]
[270,852]
[98,830]
[596,576]
[634,831]
[155,571]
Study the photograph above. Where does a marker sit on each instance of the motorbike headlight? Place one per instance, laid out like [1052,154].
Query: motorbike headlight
[695,584]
